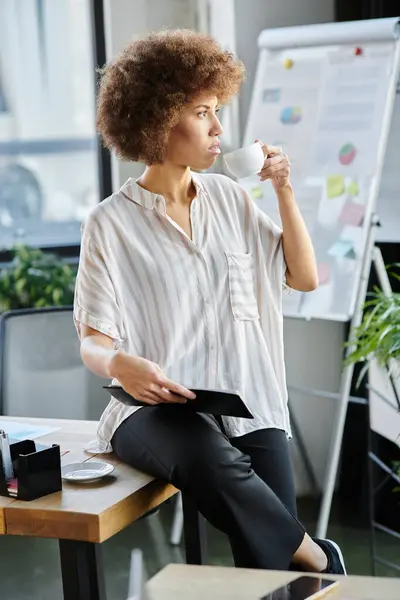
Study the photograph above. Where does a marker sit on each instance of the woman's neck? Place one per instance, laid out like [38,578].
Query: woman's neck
[173,183]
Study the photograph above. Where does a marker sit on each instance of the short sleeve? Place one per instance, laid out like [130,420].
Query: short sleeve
[95,302]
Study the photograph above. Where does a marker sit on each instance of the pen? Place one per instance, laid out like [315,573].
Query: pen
[6,456]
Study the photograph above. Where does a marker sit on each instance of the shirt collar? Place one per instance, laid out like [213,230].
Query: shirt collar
[133,191]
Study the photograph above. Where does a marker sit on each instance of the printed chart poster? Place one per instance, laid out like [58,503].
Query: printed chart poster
[388,205]
[339,239]
[352,109]
[284,112]
[309,196]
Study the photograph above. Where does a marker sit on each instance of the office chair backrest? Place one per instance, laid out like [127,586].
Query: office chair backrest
[42,374]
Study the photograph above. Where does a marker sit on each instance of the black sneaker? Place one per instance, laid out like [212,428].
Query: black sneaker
[334,556]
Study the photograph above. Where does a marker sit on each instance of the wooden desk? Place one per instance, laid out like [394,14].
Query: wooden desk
[82,515]
[187,582]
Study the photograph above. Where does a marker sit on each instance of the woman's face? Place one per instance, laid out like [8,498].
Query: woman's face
[194,140]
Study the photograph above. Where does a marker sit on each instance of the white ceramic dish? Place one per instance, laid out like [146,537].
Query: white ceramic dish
[84,472]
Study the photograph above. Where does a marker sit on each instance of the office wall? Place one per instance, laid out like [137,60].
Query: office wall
[253,16]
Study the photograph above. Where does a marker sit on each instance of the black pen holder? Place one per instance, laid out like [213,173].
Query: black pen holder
[38,471]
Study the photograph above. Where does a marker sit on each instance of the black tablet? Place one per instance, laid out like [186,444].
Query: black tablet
[306,587]
[214,402]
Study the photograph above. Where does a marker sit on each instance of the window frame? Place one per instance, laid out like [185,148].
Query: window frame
[104,168]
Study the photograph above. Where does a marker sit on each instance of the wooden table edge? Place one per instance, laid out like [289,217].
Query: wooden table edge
[87,527]
[6,501]
[133,507]
[9,501]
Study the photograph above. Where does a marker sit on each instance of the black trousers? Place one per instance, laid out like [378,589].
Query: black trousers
[243,486]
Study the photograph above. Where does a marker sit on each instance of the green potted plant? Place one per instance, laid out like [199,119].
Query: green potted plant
[378,335]
[36,279]
[375,343]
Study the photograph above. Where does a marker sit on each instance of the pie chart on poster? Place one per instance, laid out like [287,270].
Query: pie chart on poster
[291,115]
[347,154]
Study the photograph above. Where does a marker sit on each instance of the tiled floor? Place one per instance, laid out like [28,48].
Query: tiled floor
[29,568]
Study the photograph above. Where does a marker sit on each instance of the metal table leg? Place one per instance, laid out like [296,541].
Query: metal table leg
[195,532]
[82,570]
[177,523]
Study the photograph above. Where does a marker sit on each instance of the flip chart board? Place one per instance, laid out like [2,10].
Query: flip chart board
[325,94]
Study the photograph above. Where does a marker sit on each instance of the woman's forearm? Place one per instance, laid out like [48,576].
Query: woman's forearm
[302,273]
[99,355]
[297,246]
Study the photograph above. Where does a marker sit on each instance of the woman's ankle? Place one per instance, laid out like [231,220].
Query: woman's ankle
[310,556]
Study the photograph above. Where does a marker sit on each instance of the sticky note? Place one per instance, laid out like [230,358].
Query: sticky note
[356,235]
[352,214]
[342,248]
[288,63]
[335,186]
[350,254]
[257,193]
[324,273]
[353,189]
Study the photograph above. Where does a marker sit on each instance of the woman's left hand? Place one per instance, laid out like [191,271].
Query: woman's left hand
[276,166]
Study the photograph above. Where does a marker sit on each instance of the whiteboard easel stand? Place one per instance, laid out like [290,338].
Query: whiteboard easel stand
[372,255]
[344,398]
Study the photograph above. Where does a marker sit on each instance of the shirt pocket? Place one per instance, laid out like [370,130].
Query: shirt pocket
[241,286]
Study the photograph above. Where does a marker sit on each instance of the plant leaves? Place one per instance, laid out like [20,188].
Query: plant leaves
[36,278]
[378,335]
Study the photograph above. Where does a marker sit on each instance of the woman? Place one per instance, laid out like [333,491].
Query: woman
[180,286]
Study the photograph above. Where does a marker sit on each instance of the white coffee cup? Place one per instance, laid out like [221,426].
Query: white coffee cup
[245,161]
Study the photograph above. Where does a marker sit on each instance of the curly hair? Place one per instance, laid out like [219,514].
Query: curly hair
[144,90]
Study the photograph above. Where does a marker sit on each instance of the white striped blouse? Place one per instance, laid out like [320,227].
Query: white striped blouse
[207,310]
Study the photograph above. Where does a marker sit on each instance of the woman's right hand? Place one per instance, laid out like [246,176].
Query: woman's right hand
[145,381]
